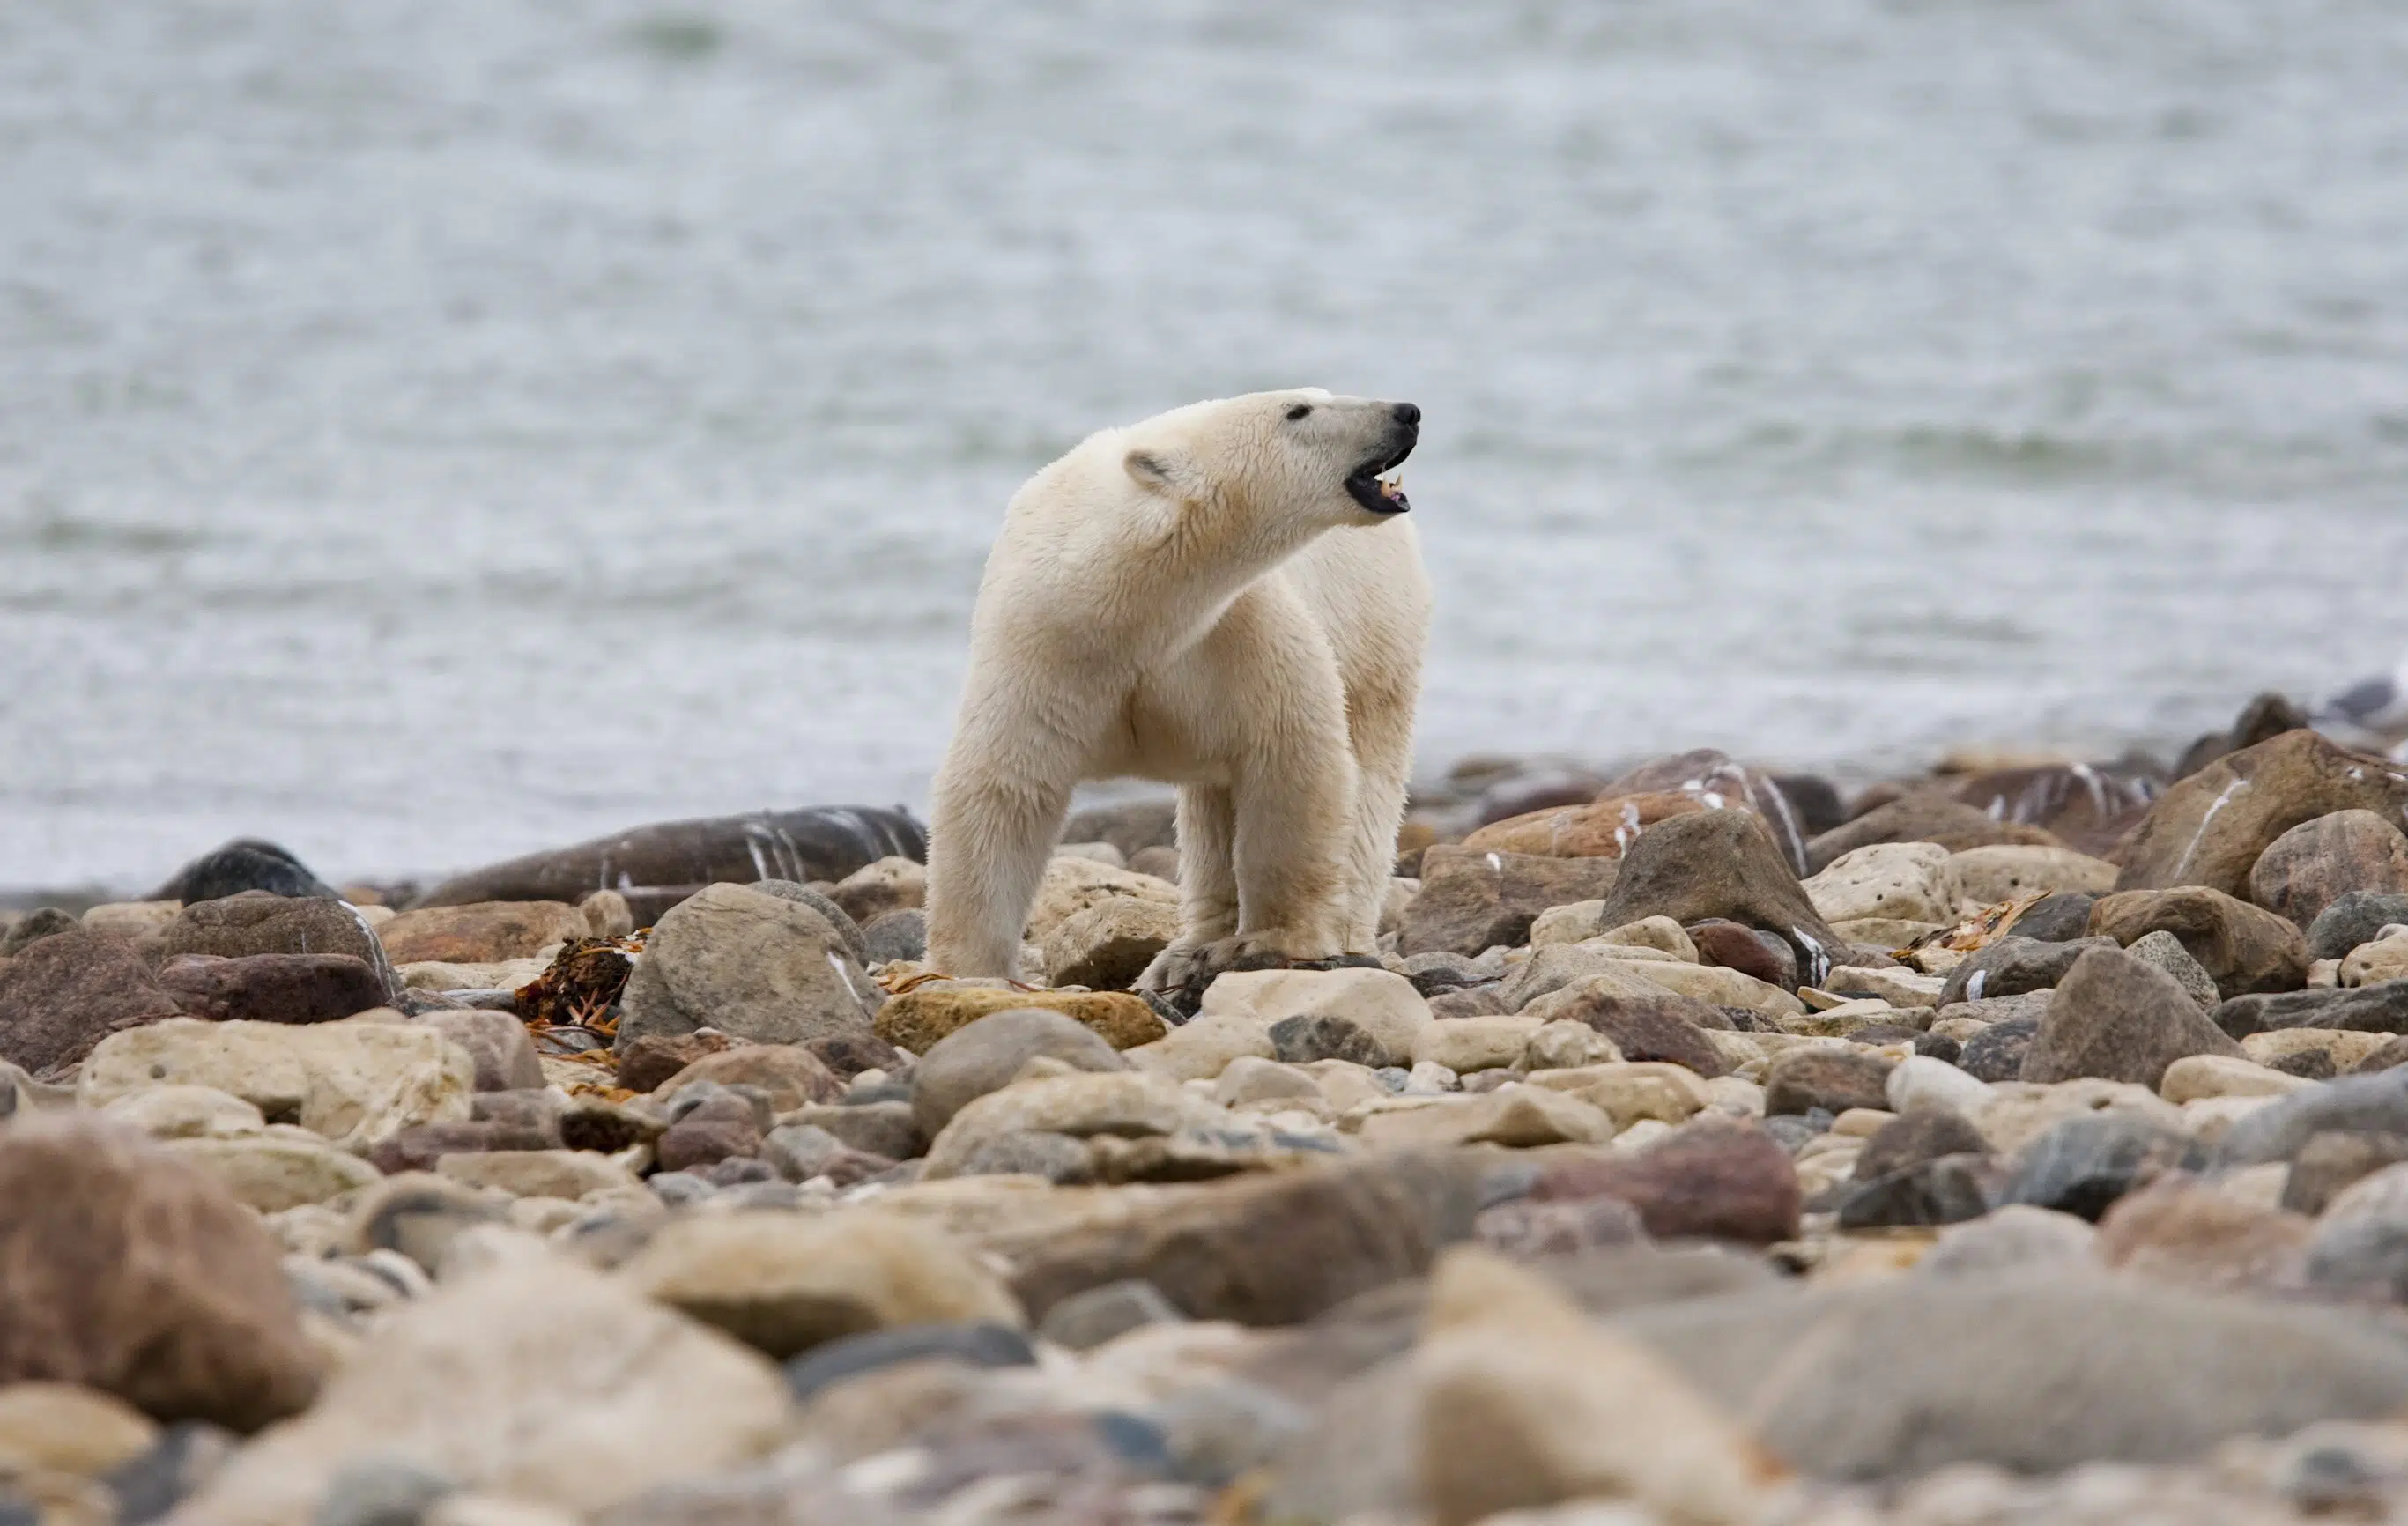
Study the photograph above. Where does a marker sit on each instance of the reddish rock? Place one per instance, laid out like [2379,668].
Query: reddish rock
[67,992]
[2246,950]
[2306,869]
[498,1042]
[2088,807]
[484,933]
[2212,828]
[645,1063]
[849,1054]
[1714,780]
[789,1074]
[706,1141]
[1802,1080]
[1604,828]
[124,1268]
[2177,1229]
[418,1149]
[256,922]
[1666,1027]
[272,987]
[1707,1181]
[1736,948]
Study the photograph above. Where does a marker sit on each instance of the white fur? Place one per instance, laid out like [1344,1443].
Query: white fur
[1194,599]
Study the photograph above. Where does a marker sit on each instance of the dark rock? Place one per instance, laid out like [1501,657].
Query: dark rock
[1083,1321]
[2381,1008]
[245,864]
[874,1128]
[2355,918]
[1669,1027]
[418,1215]
[1322,1036]
[2210,828]
[1814,801]
[984,1056]
[704,1142]
[34,926]
[419,1147]
[2329,1161]
[2360,1247]
[1761,956]
[1709,776]
[2310,1064]
[1032,1152]
[2083,1165]
[66,993]
[1486,1000]
[2393,1052]
[2089,807]
[255,922]
[1802,1080]
[124,1268]
[1997,1052]
[2266,716]
[2306,869]
[2062,918]
[985,1345]
[787,1075]
[1912,1138]
[1130,825]
[2246,950]
[1708,1179]
[2013,966]
[186,1455]
[849,1054]
[1720,865]
[1473,900]
[2121,1018]
[645,1063]
[751,964]
[272,987]
[2352,1105]
[1946,1191]
[825,843]
[897,934]
[741,1170]
[1921,819]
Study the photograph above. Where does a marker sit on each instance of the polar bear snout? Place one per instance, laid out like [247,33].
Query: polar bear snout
[1368,484]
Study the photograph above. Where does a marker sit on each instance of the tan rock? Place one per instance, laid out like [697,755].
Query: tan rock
[1658,932]
[185,1112]
[278,1169]
[1899,987]
[2220,1075]
[2021,1111]
[891,884]
[539,1173]
[1723,987]
[436,975]
[66,1429]
[1516,1117]
[1566,1045]
[2007,872]
[1129,1104]
[1592,967]
[1201,1050]
[1464,1045]
[1071,885]
[607,915]
[1108,946]
[131,918]
[357,1082]
[1633,1092]
[1886,931]
[2345,1049]
[2372,964]
[1604,828]
[1902,881]
[1575,924]
[918,1018]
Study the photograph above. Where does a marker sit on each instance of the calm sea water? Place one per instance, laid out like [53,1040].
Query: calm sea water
[432,429]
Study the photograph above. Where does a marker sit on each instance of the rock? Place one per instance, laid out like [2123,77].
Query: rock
[1715,781]
[2121,1018]
[2331,1162]
[2013,966]
[2267,716]
[1899,987]
[130,1271]
[496,1044]
[1128,1106]
[1913,1138]
[2308,869]
[39,924]
[984,1056]
[1083,1321]
[751,964]
[607,915]
[2063,918]
[1516,1116]
[783,1283]
[1466,1044]
[2376,963]
[2376,1104]
[1567,1044]
[1370,1017]
[1905,881]
[2202,1075]
[2179,1230]
[2245,949]
[847,930]
[1986,877]
[1721,865]
[1949,1190]
[1633,1093]
[354,1083]
[1645,1026]
[1031,1152]
[985,1345]
[789,1075]
[2089,806]
[1203,1048]
[59,1428]
[1471,901]
[1597,967]
[1108,946]
[1525,1403]
[1836,1080]
[696,1143]
[421,1147]
[272,987]
[1997,1052]
[893,883]
[485,933]
[1709,1179]
[2013,1238]
[1602,828]
[646,1063]
[800,1151]
[2366,1009]
[1870,1381]
[1526,1231]
[2165,951]
[1921,819]
[501,1381]
[418,1215]
[272,1172]
[1248,1079]
[2355,918]
[66,993]
[246,864]
[2339,1051]
[1071,885]
[919,1018]
[2212,828]
[897,935]
[2083,1165]
[823,842]
[185,1112]
[539,1173]
[2359,1249]
[849,1054]
[1920,1082]
[1759,956]
[255,922]
[1130,825]
[1661,934]
[1270,1250]
[128,919]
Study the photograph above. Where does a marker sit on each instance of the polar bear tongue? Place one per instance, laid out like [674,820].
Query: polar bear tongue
[1379,494]
[1392,488]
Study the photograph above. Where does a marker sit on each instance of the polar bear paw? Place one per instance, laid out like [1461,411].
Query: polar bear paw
[1178,976]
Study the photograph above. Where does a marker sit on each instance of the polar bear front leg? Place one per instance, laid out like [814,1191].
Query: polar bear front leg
[1294,813]
[989,838]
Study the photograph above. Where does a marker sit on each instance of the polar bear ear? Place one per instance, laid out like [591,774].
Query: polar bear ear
[1155,470]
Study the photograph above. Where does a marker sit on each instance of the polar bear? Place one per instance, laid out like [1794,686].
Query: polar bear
[1226,597]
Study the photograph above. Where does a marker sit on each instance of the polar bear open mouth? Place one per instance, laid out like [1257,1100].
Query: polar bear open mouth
[1371,486]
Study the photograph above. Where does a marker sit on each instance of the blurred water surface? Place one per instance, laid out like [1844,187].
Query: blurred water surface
[430,428]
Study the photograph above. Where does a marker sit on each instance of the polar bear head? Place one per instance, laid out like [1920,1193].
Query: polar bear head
[1311,457]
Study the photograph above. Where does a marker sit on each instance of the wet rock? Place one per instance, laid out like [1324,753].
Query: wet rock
[1949,1190]
[2306,869]
[2334,1159]
[2247,949]
[2364,1009]
[1108,946]
[897,935]
[2182,1231]
[2013,966]
[786,1283]
[2361,1245]
[1898,881]
[352,1083]
[751,964]
[2084,1163]
[2376,1104]
[246,864]
[788,1076]
[500,1381]
[2063,918]
[1921,819]
[2166,953]
[1471,901]
[272,987]
[2354,917]
[497,1046]
[822,843]
[985,1055]
[985,1345]
[1835,1080]
[1083,1321]
[1760,956]
[127,1270]
[1706,1180]
[1999,1051]
[2121,1018]
[485,933]
[918,1020]
[67,992]
[1721,865]
[2212,828]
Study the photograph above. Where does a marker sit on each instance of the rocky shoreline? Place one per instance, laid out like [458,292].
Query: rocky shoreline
[2022,1142]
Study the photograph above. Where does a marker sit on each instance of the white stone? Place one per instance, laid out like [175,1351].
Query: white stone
[1922,1081]
[1204,1048]
[2201,1075]
[186,1112]
[2372,964]
[1564,1044]
[279,1168]
[356,1083]
[1072,884]
[2007,872]
[1381,1003]
[1899,987]
[1902,881]
[1464,1045]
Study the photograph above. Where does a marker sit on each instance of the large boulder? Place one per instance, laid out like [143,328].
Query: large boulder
[1721,865]
[1921,819]
[67,992]
[2212,828]
[1471,901]
[818,843]
[751,964]
[272,987]
[256,922]
[481,933]
[1714,780]
[2121,1018]
[2246,950]
[355,1083]
[126,1269]
[2306,869]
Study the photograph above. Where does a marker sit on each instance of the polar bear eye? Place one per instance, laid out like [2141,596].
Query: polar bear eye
[1299,411]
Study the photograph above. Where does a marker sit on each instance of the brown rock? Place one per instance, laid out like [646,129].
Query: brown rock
[256,922]
[1737,948]
[2089,807]
[67,991]
[1604,828]
[849,1054]
[272,987]
[1473,900]
[645,1063]
[1715,781]
[818,843]
[2121,1018]
[694,1142]
[2266,716]
[793,1076]
[1711,1179]
[1721,865]
[2246,950]
[751,963]
[1916,1137]
[1835,1080]
[1666,1027]
[420,1148]
[2179,1230]
[1108,946]
[124,1269]
[1923,819]
[485,933]
[918,1018]
[891,884]
[2316,863]
[2212,828]
[498,1042]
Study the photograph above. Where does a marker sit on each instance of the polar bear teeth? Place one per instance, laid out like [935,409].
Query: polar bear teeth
[1392,486]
